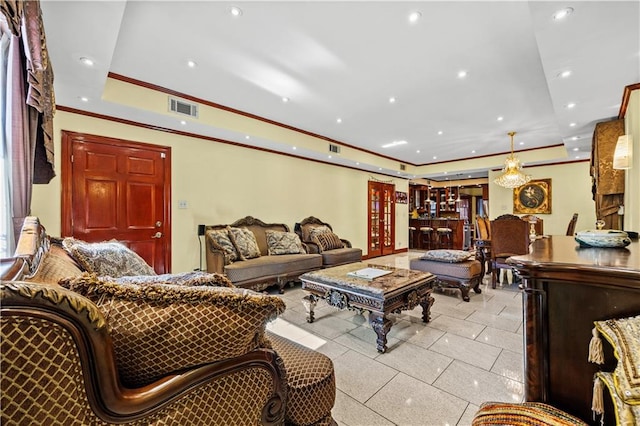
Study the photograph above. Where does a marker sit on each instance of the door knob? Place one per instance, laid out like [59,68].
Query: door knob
[158,224]
[157,235]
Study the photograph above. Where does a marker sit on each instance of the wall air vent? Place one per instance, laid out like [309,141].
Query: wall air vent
[334,148]
[403,167]
[182,107]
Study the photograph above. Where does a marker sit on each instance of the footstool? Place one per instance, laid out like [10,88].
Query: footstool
[452,268]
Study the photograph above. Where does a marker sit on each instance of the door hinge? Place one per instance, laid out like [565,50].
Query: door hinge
[72,158]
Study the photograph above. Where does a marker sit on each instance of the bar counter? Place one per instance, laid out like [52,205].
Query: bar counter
[565,289]
[456,226]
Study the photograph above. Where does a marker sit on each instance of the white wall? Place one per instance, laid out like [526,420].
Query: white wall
[222,183]
[570,193]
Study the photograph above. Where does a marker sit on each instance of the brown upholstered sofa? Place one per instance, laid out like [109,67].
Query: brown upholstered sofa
[188,349]
[279,259]
[319,238]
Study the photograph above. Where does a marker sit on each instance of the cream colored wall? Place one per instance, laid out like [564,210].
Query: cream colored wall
[570,192]
[222,183]
[632,176]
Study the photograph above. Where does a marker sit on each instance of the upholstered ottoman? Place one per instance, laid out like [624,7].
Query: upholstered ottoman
[453,269]
[311,387]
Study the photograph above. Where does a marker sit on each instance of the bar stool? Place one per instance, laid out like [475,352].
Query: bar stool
[412,231]
[426,237]
[444,238]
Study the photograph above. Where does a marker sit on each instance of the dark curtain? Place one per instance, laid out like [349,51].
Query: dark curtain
[29,106]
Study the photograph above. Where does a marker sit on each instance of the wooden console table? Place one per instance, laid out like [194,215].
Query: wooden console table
[566,288]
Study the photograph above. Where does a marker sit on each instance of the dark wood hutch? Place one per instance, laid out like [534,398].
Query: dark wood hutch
[565,289]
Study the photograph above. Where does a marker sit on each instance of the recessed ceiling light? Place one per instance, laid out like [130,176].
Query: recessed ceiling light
[235,11]
[473,152]
[84,99]
[571,105]
[191,64]
[469,176]
[184,123]
[440,132]
[285,99]
[414,16]
[572,124]
[294,148]
[394,143]
[564,74]
[379,168]
[392,100]
[247,137]
[500,118]
[462,74]
[521,143]
[445,173]
[577,157]
[417,151]
[576,149]
[575,138]
[338,120]
[328,156]
[357,163]
[435,158]
[87,61]
[562,13]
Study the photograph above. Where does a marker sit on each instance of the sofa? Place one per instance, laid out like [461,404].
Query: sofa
[320,238]
[256,255]
[188,348]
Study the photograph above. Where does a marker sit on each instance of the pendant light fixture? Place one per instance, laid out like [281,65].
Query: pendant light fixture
[512,176]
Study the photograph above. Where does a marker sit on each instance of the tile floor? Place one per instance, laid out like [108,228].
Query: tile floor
[432,374]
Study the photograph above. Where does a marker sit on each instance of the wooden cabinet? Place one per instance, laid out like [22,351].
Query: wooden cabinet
[566,289]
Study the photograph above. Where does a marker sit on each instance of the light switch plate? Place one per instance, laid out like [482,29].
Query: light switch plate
[182,204]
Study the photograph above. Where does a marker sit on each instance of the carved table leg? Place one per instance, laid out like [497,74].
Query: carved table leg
[464,289]
[309,303]
[381,325]
[426,303]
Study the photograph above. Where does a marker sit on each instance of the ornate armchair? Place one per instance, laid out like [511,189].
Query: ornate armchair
[146,350]
[509,237]
[319,237]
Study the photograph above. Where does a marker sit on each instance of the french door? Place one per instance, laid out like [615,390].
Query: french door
[381,218]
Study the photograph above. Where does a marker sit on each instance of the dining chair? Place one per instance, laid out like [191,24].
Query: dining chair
[572,225]
[509,237]
[538,223]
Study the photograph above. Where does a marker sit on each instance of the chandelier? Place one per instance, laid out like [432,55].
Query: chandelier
[512,176]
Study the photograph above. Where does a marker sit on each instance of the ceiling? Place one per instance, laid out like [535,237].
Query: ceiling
[346,60]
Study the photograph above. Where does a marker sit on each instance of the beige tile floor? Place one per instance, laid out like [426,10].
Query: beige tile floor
[432,374]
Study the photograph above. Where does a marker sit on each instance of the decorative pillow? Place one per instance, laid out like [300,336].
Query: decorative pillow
[312,231]
[280,242]
[449,256]
[220,240]
[107,258]
[624,336]
[56,264]
[245,242]
[187,279]
[328,241]
[161,329]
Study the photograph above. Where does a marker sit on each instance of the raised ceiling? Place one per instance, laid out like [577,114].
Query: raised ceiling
[344,61]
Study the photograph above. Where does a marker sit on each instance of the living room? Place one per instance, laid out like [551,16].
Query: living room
[217,181]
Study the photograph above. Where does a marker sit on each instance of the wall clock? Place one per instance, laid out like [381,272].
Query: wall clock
[533,197]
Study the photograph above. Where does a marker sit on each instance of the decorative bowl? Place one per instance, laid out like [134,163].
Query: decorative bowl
[602,238]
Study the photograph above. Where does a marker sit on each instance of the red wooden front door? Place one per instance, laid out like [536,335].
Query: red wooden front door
[116,189]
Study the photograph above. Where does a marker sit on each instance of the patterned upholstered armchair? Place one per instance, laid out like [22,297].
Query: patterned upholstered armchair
[177,349]
[319,238]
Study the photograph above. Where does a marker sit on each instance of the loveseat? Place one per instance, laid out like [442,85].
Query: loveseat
[256,255]
[319,237]
[188,349]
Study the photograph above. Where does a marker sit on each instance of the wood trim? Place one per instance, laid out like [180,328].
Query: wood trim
[213,139]
[555,163]
[488,155]
[239,112]
[625,99]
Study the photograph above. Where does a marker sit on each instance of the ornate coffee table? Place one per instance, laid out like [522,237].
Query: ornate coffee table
[402,289]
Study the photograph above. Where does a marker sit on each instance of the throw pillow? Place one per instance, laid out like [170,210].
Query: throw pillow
[280,242]
[245,242]
[187,279]
[312,231]
[162,329]
[449,256]
[220,240]
[328,241]
[107,258]
[624,336]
